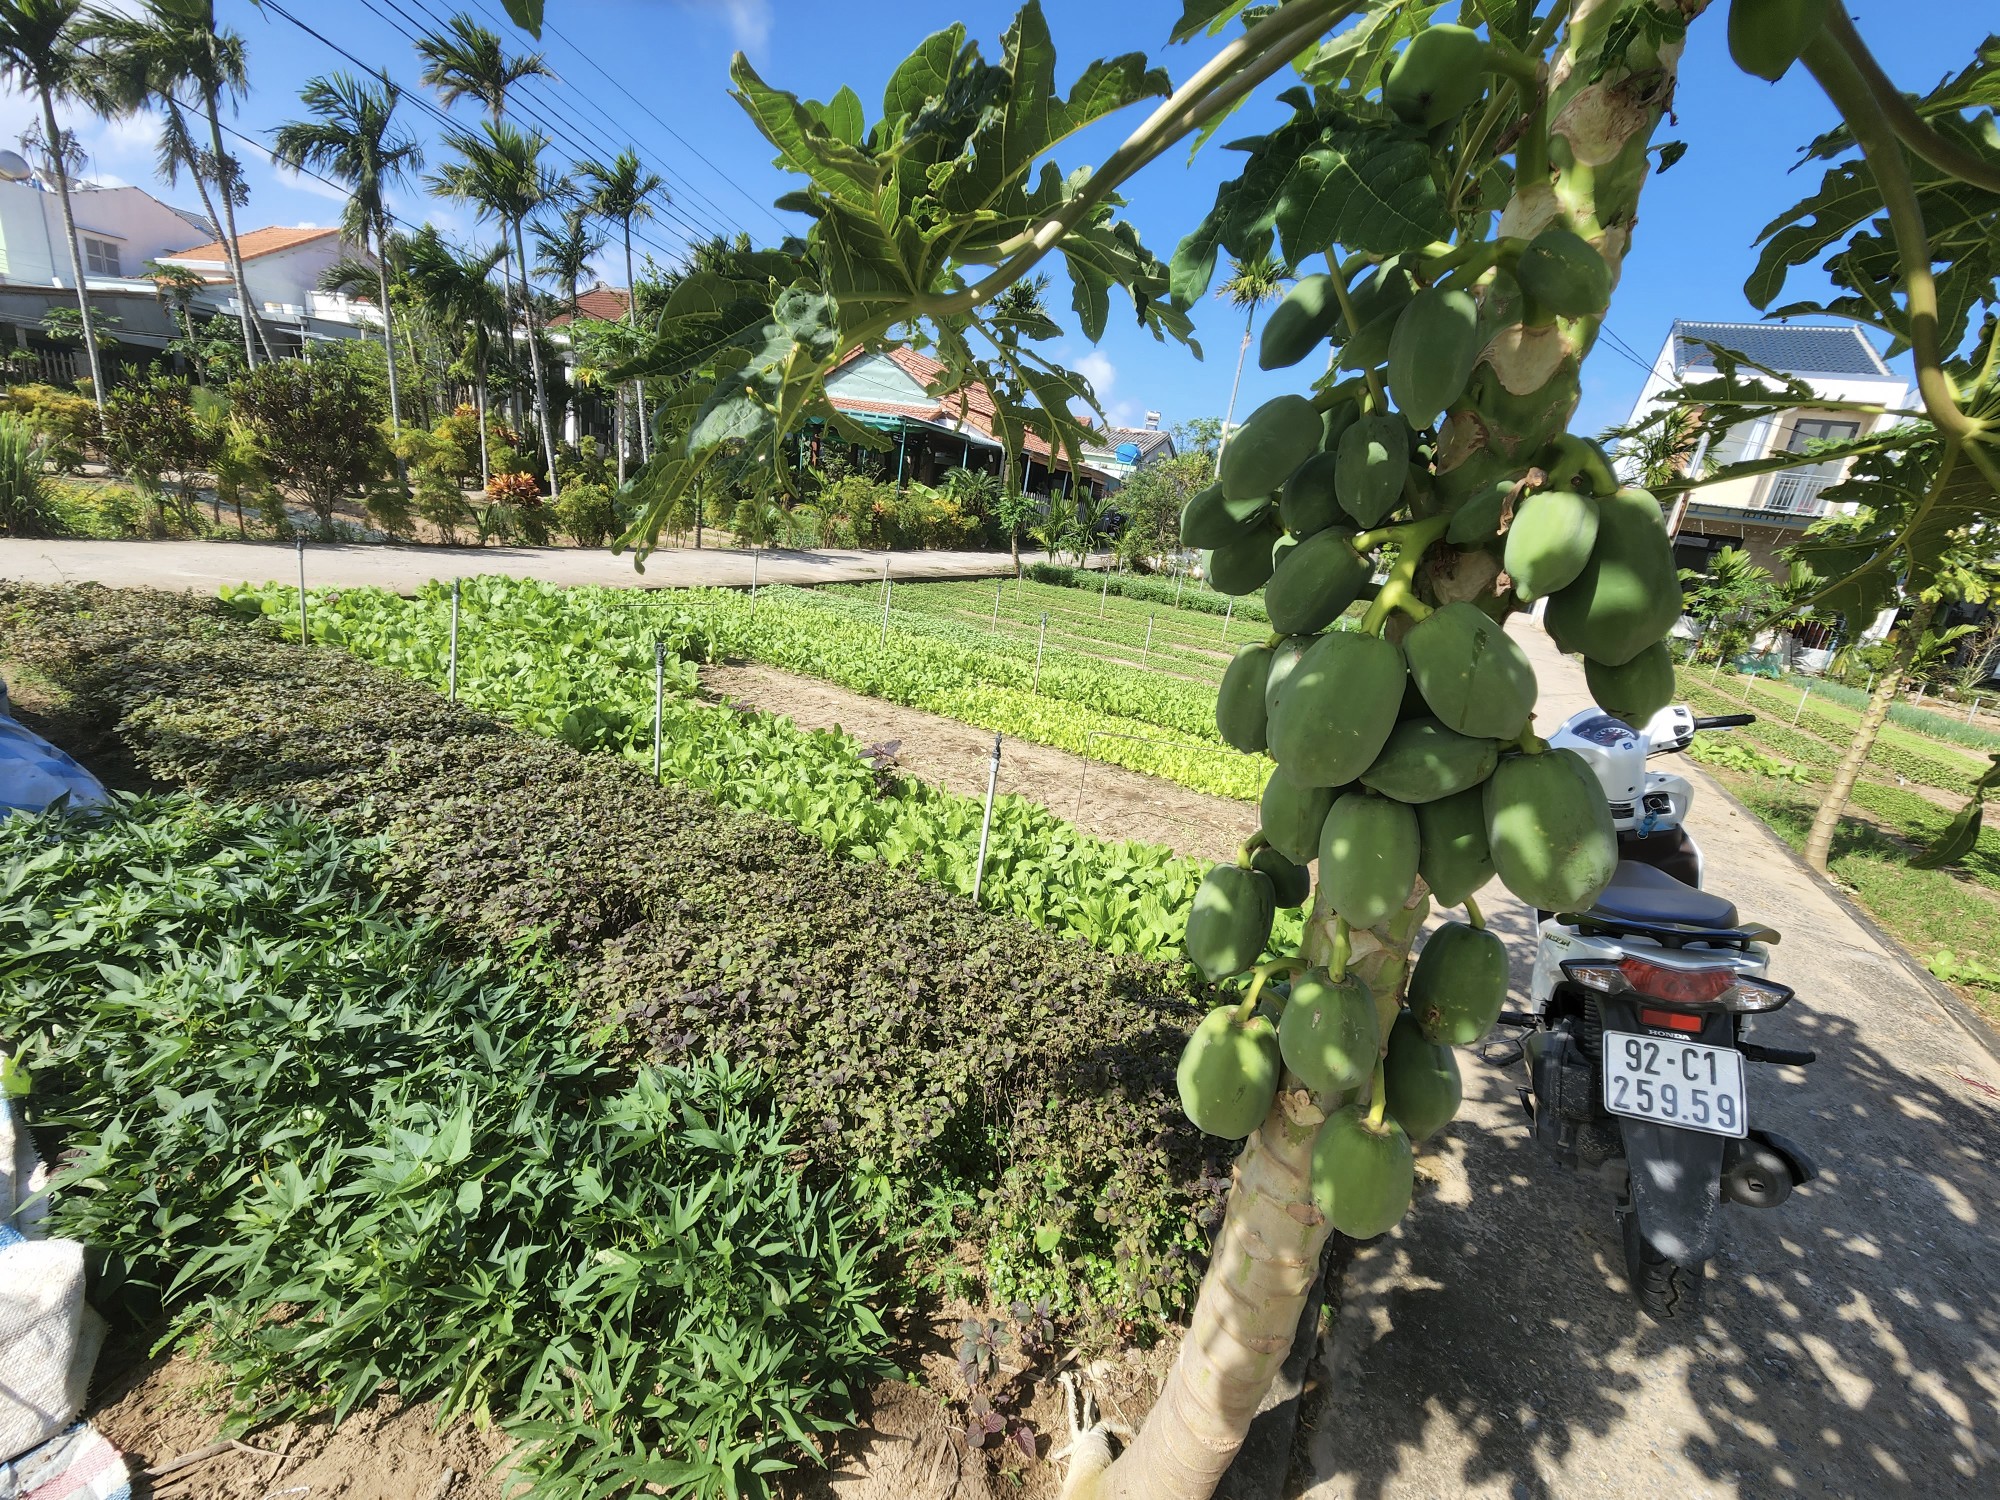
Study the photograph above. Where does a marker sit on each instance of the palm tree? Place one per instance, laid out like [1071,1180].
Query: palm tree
[1251,284]
[466,61]
[457,291]
[500,173]
[149,56]
[564,250]
[40,54]
[350,140]
[621,192]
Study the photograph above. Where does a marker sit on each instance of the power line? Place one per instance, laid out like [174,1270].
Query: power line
[525,106]
[685,184]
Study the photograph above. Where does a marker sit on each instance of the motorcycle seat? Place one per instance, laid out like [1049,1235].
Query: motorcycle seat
[1640,893]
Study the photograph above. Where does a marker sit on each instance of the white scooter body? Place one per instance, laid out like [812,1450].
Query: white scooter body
[1643,802]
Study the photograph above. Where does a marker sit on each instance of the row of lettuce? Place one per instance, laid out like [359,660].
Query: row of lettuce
[336,1081]
[1074,700]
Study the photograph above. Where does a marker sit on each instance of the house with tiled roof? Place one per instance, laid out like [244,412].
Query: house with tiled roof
[282,268]
[603,304]
[1764,514]
[1123,451]
[891,392]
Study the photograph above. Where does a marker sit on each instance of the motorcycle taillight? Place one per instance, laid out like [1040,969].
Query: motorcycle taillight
[1677,986]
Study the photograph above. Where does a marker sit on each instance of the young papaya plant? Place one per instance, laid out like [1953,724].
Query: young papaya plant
[1457,188]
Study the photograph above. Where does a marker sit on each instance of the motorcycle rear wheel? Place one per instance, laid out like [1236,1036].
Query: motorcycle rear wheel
[1669,1290]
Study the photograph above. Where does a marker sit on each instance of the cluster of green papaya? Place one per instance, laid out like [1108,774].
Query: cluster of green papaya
[1406,765]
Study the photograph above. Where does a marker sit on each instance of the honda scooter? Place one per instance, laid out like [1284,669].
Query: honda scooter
[1636,1037]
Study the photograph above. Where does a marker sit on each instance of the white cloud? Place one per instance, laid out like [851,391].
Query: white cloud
[749,21]
[1096,367]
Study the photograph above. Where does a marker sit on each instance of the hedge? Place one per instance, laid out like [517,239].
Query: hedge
[915,1037]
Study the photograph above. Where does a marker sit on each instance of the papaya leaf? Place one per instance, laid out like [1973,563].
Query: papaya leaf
[1957,840]
[1358,58]
[1367,189]
[526,14]
[1199,17]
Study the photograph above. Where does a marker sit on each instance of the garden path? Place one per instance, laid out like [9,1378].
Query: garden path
[203,567]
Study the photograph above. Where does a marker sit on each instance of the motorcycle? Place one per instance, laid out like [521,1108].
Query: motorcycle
[1636,1037]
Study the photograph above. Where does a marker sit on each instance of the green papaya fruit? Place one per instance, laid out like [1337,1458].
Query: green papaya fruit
[1550,830]
[1370,467]
[1456,860]
[1230,921]
[1438,76]
[1475,520]
[1330,1034]
[1260,455]
[1549,542]
[1459,985]
[1209,520]
[1362,1175]
[1291,817]
[1475,676]
[1239,703]
[1637,690]
[1310,503]
[1298,323]
[1228,1074]
[1336,709]
[1424,761]
[1379,297]
[1339,417]
[1432,352]
[1767,36]
[1629,594]
[1581,464]
[1421,1081]
[1286,655]
[1321,576]
[1291,883]
[1244,565]
[1562,271]
[1368,852]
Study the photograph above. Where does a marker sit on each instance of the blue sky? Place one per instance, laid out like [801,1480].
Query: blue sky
[1694,241]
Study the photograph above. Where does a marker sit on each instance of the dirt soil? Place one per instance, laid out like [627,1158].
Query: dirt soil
[1115,803]
[160,1410]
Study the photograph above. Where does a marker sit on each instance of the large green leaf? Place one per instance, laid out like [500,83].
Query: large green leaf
[526,14]
[1366,188]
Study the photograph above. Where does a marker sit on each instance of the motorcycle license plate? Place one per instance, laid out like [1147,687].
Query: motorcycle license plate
[1683,1084]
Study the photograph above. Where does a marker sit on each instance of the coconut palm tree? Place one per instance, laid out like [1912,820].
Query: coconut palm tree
[621,192]
[41,54]
[456,290]
[351,140]
[500,174]
[149,56]
[1251,284]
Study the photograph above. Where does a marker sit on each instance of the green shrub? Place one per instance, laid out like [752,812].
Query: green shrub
[916,1039]
[68,420]
[155,432]
[587,513]
[27,507]
[347,1162]
[318,423]
[1193,594]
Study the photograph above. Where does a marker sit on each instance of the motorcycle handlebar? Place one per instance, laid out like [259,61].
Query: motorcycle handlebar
[1725,721]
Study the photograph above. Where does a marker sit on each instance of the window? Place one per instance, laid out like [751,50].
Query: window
[101,257]
[1813,430]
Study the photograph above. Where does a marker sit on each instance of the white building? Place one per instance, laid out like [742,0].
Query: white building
[1763,514]
[120,229]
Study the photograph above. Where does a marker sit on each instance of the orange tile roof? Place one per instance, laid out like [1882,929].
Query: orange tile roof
[256,242]
[605,304]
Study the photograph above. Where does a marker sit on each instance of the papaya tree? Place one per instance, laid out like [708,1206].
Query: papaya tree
[1457,188]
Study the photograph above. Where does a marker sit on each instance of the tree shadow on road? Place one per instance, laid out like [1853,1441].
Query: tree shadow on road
[1850,1344]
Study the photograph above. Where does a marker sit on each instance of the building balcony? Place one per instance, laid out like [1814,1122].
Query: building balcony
[1795,492]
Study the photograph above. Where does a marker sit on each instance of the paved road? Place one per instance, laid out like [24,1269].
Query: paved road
[1852,1342]
[202,567]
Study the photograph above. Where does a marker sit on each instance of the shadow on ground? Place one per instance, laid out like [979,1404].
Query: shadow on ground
[1850,1345]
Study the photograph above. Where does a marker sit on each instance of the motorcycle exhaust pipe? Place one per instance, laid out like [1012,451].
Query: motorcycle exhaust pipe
[1756,1174]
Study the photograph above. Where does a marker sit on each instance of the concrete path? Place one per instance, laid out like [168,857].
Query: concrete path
[1851,1345]
[203,567]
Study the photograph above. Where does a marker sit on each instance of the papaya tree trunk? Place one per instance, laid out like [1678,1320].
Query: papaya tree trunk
[1833,806]
[1581,162]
